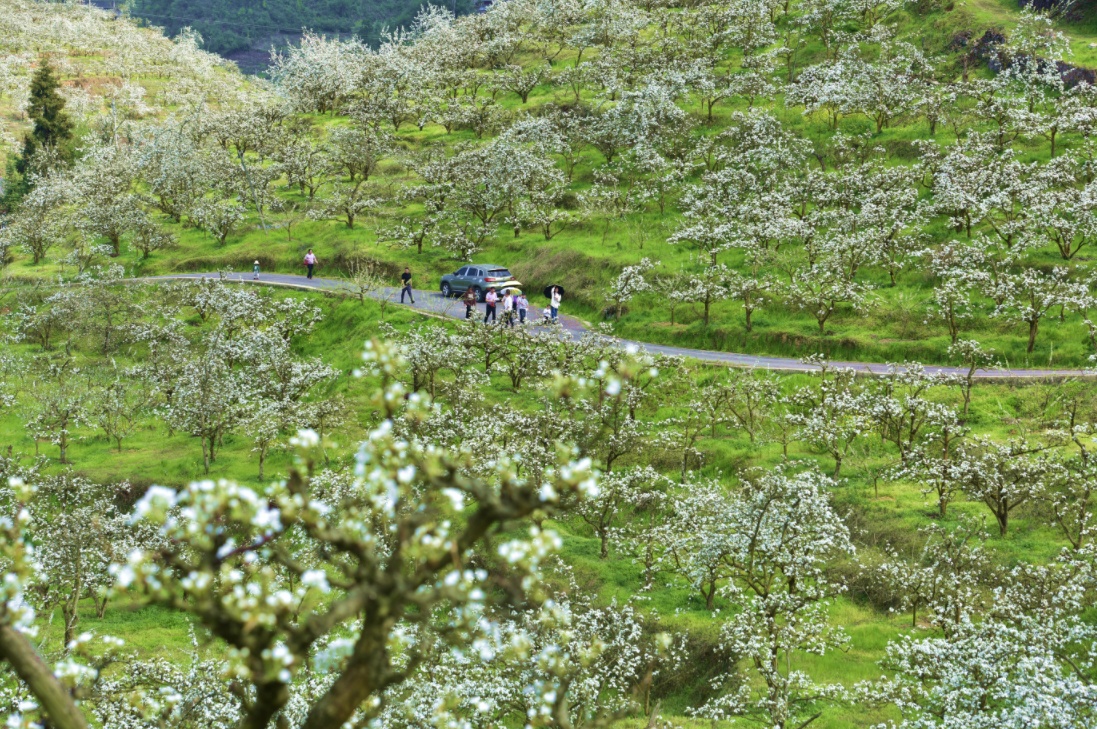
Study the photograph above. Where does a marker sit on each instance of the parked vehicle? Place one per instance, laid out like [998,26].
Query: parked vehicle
[479,277]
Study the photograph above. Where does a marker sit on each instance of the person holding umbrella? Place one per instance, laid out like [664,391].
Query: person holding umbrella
[508,307]
[557,295]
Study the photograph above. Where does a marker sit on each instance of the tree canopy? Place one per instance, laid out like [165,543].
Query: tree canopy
[231,25]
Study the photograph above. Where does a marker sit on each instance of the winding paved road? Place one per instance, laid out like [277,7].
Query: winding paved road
[432,302]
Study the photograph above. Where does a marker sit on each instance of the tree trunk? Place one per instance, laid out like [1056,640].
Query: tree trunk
[71,617]
[54,698]
[359,680]
[1033,327]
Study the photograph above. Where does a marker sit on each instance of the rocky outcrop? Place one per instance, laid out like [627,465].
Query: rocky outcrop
[1074,75]
[990,50]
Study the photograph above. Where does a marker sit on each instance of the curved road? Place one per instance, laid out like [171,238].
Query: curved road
[432,302]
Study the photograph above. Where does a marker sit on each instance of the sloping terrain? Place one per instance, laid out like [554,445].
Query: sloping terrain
[301,507]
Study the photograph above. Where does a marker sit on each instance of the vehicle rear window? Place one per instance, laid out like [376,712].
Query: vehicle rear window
[499,272]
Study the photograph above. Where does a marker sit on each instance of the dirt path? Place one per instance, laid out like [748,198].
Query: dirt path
[433,303]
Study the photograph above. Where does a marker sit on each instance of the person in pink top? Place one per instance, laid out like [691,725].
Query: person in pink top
[310,262]
[490,298]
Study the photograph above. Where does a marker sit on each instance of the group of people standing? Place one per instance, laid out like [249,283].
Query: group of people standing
[515,306]
[515,303]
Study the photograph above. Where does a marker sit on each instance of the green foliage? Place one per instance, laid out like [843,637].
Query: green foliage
[231,25]
[15,187]
[52,126]
[52,130]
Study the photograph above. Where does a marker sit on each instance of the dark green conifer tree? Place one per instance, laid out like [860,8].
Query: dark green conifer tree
[52,128]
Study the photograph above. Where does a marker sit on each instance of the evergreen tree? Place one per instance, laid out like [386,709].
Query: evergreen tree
[52,130]
[52,126]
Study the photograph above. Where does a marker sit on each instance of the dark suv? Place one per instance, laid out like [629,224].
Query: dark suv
[478,277]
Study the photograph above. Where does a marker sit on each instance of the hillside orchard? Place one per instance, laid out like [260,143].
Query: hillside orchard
[223,505]
[873,180]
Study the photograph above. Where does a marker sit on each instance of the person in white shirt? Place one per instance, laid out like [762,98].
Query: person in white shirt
[490,298]
[508,308]
[556,296]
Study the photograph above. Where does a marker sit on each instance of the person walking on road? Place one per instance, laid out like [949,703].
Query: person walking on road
[523,305]
[310,262]
[555,308]
[508,309]
[255,271]
[406,278]
[470,303]
[490,298]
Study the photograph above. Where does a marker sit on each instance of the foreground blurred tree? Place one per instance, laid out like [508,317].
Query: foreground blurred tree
[402,555]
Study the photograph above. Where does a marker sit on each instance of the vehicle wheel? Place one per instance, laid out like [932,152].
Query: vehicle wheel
[446,291]
[479,293]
